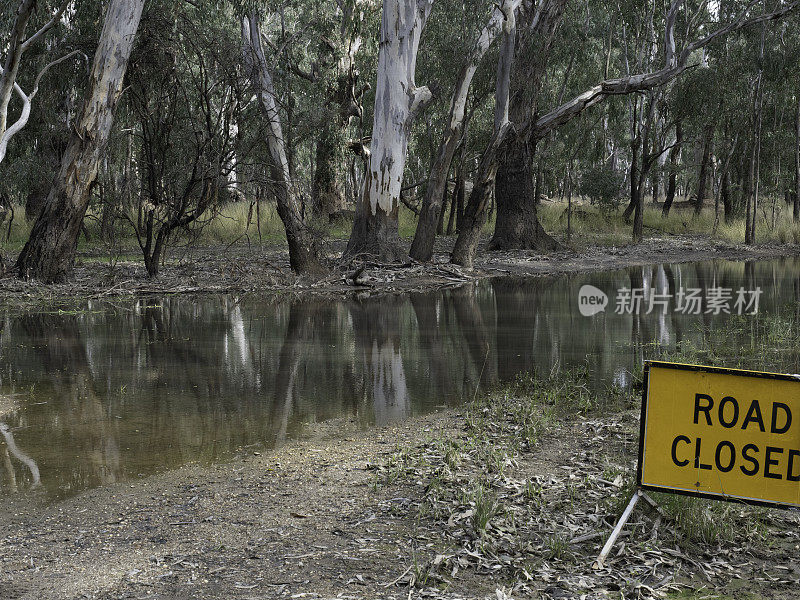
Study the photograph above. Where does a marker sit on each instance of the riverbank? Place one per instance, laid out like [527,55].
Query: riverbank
[511,496]
[248,268]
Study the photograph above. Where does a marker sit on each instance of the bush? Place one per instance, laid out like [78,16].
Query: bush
[602,186]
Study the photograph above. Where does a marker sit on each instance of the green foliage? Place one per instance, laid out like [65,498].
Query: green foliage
[314,47]
[602,186]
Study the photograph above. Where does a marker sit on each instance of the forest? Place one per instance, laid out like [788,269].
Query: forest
[391,124]
[293,298]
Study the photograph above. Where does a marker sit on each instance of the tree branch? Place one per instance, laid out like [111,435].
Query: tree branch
[647,81]
[22,121]
[46,27]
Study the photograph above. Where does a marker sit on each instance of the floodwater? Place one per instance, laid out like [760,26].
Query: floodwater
[123,389]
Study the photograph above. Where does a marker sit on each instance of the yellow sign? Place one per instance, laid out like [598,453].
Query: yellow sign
[721,433]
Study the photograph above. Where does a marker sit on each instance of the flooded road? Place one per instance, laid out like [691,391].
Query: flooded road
[120,390]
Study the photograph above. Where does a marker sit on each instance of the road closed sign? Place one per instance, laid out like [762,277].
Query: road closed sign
[721,433]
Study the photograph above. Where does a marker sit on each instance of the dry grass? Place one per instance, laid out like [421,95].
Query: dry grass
[590,226]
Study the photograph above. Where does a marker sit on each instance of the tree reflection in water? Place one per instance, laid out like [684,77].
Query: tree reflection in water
[125,389]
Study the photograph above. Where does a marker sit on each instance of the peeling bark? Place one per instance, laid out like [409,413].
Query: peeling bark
[50,251]
[397,102]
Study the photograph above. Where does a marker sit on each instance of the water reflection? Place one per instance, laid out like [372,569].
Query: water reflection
[122,390]
[26,460]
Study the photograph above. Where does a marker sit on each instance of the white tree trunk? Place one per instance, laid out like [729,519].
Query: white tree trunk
[397,101]
[16,47]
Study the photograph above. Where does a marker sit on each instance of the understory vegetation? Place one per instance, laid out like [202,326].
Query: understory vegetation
[259,224]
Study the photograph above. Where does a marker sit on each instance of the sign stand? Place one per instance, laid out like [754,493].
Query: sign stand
[617,530]
[637,495]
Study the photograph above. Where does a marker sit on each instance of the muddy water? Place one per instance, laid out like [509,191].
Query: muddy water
[121,390]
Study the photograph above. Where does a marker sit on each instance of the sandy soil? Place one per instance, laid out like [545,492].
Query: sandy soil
[242,268]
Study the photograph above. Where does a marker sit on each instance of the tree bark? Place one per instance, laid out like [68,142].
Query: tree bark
[326,191]
[633,177]
[702,179]
[422,246]
[442,211]
[643,170]
[674,155]
[725,195]
[303,252]
[397,102]
[49,254]
[797,164]
[517,225]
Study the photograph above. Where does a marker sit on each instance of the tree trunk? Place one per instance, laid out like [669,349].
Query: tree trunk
[517,224]
[303,252]
[705,163]
[15,46]
[327,197]
[633,177]
[15,50]
[474,217]
[725,195]
[326,191]
[397,101]
[656,187]
[422,246]
[674,155]
[440,225]
[50,252]
[460,197]
[456,201]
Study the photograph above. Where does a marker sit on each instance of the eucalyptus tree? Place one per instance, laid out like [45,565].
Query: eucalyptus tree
[49,253]
[518,225]
[476,209]
[303,251]
[398,101]
[337,71]
[16,44]
[502,15]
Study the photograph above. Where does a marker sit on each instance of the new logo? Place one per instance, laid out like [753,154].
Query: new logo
[591,300]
